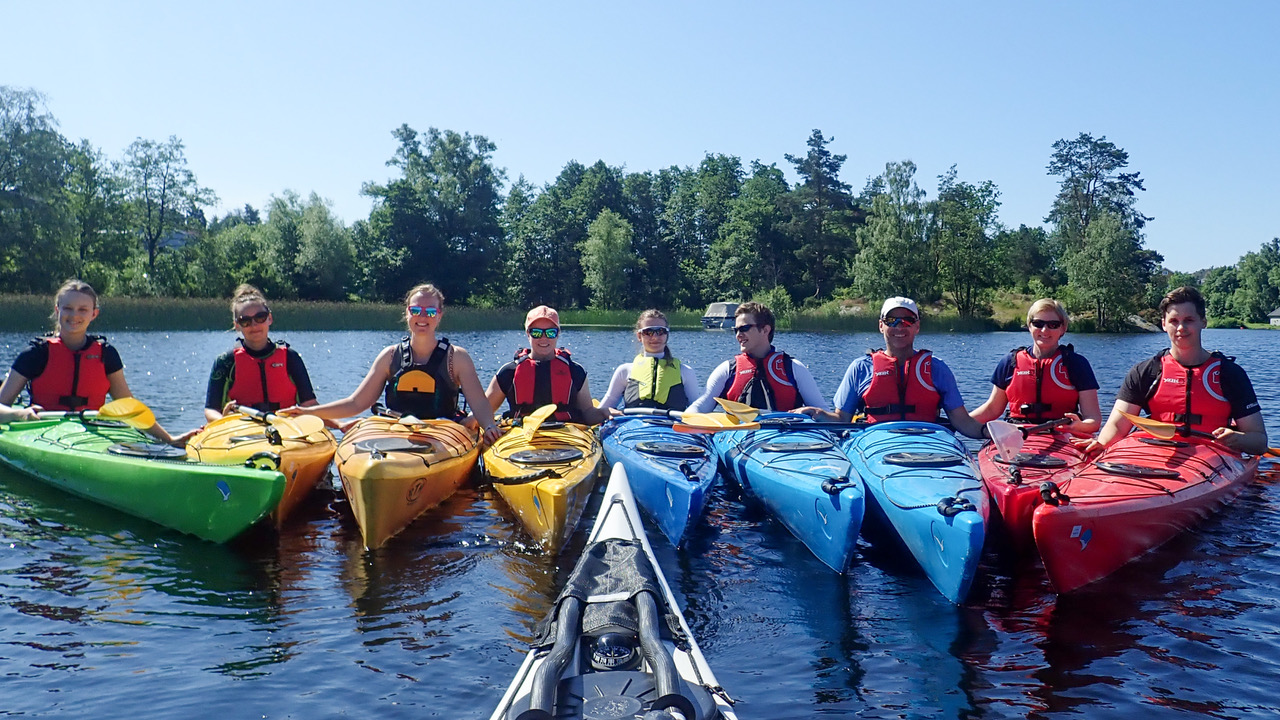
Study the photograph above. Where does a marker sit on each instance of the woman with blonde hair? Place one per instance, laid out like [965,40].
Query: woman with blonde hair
[70,370]
[259,373]
[422,375]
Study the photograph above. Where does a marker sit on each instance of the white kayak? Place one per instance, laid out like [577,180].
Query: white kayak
[616,644]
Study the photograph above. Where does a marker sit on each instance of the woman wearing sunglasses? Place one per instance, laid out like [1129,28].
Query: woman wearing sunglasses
[70,370]
[655,378]
[259,372]
[422,375]
[1044,380]
[542,374]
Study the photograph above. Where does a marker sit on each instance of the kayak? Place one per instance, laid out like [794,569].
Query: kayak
[796,471]
[393,472]
[546,480]
[304,457]
[923,487]
[113,464]
[670,472]
[1138,494]
[1015,486]
[615,644]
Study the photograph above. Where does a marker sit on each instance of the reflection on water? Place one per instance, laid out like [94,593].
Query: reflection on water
[99,610]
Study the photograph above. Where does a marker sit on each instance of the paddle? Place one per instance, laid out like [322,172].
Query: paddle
[130,411]
[1166,431]
[742,411]
[534,420]
[653,412]
[291,428]
[1008,438]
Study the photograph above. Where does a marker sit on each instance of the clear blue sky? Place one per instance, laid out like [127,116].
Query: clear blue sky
[303,96]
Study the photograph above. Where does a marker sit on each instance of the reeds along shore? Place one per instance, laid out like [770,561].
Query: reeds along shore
[31,313]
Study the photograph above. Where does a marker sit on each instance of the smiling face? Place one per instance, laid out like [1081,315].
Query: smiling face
[423,322]
[753,338]
[653,335]
[258,319]
[900,341]
[75,311]
[542,348]
[1183,324]
[1044,335]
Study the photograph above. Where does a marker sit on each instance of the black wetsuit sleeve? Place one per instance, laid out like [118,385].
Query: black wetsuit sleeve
[1080,372]
[111,361]
[298,374]
[215,396]
[31,362]
[1238,388]
[1139,382]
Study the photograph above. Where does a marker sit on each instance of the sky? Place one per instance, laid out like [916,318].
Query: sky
[272,96]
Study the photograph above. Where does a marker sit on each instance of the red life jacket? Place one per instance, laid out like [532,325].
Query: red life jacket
[1191,397]
[71,381]
[523,384]
[767,384]
[263,383]
[1041,389]
[901,391]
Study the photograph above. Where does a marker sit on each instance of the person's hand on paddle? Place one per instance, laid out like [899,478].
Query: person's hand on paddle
[25,413]
[291,411]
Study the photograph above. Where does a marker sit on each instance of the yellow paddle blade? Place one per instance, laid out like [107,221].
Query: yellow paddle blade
[742,411]
[534,420]
[297,427]
[130,411]
[711,423]
[1157,428]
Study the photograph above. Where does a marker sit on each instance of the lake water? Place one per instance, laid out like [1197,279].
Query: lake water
[105,616]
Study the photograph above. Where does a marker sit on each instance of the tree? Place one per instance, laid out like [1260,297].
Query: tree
[325,254]
[609,263]
[1258,275]
[95,198]
[163,191]
[894,258]
[1092,184]
[823,220]
[1219,287]
[1110,270]
[752,252]
[963,221]
[1029,254]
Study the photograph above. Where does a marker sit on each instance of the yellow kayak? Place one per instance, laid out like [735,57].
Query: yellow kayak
[393,472]
[304,448]
[547,479]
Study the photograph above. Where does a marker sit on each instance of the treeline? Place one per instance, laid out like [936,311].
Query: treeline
[597,236]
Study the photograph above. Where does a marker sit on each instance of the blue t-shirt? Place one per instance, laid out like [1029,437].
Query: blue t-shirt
[857,379]
[1079,371]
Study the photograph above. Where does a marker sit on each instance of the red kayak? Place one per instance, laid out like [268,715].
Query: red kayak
[1136,496]
[1015,486]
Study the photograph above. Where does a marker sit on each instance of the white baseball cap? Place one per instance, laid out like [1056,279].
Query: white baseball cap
[899,302]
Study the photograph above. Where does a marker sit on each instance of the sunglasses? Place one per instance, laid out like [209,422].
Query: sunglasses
[416,310]
[1051,324]
[653,331]
[740,329]
[551,333]
[894,322]
[258,319]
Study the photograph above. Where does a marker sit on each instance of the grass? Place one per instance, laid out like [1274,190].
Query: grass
[31,313]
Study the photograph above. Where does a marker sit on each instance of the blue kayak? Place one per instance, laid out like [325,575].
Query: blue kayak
[925,488]
[670,472]
[797,472]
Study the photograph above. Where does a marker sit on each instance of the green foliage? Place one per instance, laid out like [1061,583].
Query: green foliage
[1109,271]
[778,300]
[894,258]
[962,228]
[164,195]
[1092,184]
[610,265]
[1258,278]
[823,219]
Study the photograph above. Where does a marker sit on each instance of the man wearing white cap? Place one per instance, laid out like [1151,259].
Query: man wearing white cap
[760,375]
[899,382]
[542,374]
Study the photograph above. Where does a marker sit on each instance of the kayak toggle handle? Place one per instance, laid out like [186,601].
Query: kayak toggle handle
[688,472]
[255,461]
[1015,475]
[1051,494]
[522,479]
[834,486]
[952,506]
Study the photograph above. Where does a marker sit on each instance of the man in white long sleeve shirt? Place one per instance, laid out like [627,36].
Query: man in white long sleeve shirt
[760,375]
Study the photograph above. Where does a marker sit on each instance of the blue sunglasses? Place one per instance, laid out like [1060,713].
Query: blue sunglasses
[416,310]
[551,333]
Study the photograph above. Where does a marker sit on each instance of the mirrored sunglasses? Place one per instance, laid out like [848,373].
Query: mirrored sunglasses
[894,322]
[551,333]
[654,331]
[1051,324]
[416,310]
[245,321]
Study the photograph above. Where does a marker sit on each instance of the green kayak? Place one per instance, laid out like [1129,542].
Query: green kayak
[120,467]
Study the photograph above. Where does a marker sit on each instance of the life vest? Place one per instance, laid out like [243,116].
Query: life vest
[424,390]
[655,382]
[524,384]
[768,383]
[1191,397]
[901,391]
[72,380]
[1041,389]
[262,383]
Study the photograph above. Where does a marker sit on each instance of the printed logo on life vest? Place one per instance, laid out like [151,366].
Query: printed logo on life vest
[1058,374]
[1212,380]
[277,364]
[415,490]
[1083,535]
[924,373]
[777,370]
